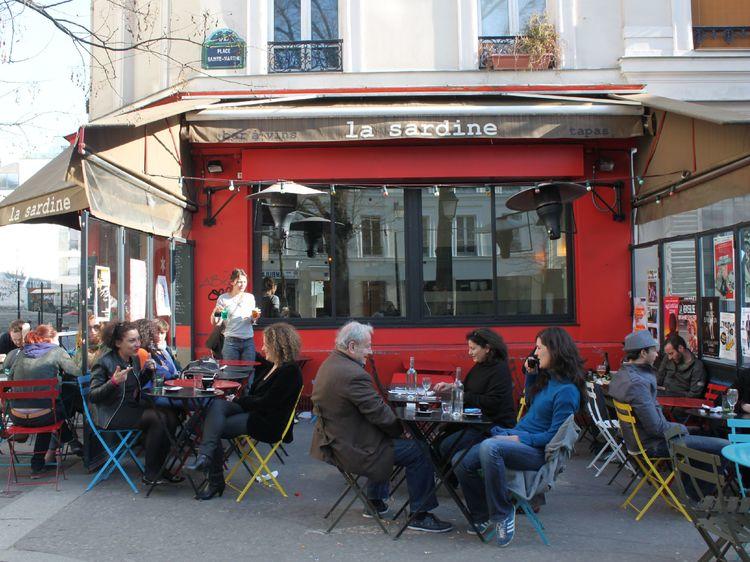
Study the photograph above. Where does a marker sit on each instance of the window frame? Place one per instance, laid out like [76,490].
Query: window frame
[413,272]
[514,22]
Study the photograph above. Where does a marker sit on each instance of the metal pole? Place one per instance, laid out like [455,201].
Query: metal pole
[18,300]
[41,303]
[83,317]
[60,315]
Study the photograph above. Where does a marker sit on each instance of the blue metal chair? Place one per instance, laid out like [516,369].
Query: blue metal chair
[735,437]
[125,440]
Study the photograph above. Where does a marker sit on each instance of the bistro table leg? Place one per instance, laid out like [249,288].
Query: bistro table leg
[440,465]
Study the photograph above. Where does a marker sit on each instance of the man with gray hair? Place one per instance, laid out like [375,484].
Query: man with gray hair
[358,432]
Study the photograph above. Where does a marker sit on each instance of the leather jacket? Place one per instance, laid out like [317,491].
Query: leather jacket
[105,397]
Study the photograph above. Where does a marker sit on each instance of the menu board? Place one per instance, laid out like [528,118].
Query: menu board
[182,280]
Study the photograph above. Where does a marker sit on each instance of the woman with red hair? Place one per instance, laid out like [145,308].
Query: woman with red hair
[42,358]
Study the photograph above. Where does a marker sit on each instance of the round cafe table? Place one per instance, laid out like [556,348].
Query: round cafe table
[717,417]
[197,382]
[738,453]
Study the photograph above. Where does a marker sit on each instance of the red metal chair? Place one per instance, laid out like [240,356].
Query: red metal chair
[41,390]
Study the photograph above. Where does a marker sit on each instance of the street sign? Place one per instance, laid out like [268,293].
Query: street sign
[223,49]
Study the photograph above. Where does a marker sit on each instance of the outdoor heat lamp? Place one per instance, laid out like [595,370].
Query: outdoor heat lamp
[547,199]
[281,199]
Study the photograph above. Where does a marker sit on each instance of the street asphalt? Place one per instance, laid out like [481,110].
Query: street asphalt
[582,517]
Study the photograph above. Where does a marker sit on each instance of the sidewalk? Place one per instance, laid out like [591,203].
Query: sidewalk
[582,518]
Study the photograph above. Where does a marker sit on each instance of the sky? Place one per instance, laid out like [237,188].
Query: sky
[47,85]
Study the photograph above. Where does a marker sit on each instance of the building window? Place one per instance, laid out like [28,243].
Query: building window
[466,235]
[507,17]
[366,261]
[721,24]
[8,181]
[305,37]
[372,241]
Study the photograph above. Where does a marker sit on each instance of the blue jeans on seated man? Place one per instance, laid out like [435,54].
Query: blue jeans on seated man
[487,495]
[420,476]
[238,348]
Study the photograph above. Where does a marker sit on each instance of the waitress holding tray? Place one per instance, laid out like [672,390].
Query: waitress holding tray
[238,312]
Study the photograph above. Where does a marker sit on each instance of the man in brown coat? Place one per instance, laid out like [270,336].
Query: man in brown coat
[357,431]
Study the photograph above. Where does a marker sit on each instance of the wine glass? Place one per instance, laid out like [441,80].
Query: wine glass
[426,384]
[732,397]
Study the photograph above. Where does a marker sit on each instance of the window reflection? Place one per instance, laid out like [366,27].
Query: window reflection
[324,20]
[287,24]
[298,258]
[102,269]
[369,253]
[136,276]
[531,268]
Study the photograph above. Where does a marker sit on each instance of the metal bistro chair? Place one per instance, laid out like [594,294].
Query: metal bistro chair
[125,440]
[608,429]
[39,390]
[725,517]
[648,466]
[736,437]
[247,448]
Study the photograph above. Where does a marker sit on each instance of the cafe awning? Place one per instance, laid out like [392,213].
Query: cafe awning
[377,119]
[72,182]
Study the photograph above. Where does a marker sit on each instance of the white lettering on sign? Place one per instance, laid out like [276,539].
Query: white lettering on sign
[50,206]
[445,128]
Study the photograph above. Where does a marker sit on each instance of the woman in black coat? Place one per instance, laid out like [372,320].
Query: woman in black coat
[262,414]
[488,385]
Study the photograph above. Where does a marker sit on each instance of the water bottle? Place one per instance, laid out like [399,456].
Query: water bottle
[158,380]
[411,378]
[457,396]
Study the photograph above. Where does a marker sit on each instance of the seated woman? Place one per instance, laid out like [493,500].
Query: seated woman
[155,356]
[42,358]
[116,402]
[262,414]
[488,385]
[554,390]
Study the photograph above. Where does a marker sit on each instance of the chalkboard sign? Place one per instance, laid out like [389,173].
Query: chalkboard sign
[182,271]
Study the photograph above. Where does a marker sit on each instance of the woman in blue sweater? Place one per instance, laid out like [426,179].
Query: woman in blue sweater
[554,390]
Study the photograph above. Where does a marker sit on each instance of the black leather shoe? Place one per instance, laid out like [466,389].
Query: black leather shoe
[201,463]
[173,478]
[211,491]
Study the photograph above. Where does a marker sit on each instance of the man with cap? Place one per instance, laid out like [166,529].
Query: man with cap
[635,384]
[681,373]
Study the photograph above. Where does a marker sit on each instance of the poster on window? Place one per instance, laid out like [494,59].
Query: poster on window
[161,297]
[727,338]
[687,322]
[651,285]
[745,261]
[671,306]
[137,308]
[710,326]
[102,295]
[724,266]
[640,314]
[745,332]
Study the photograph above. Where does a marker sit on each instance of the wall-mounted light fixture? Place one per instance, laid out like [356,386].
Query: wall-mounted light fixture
[214,167]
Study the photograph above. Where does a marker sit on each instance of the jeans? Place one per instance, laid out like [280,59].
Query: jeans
[238,348]
[460,440]
[41,444]
[487,495]
[420,476]
[224,420]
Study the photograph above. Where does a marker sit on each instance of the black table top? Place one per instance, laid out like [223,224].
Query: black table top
[718,416]
[437,416]
[183,393]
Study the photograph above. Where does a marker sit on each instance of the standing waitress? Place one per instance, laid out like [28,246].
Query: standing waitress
[237,310]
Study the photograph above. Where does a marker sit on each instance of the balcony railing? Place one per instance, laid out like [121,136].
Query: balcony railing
[494,45]
[730,34]
[305,56]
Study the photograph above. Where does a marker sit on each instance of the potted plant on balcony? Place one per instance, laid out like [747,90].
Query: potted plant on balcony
[536,49]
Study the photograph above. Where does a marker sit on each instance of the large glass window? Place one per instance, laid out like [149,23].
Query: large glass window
[532,273]
[369,257]
[305,36]
[507,17]
[287,21]
[646,289]
[161,279]
[718,297]
[136,274]
[457,281]
[680,291]
[744,328]
[103,244]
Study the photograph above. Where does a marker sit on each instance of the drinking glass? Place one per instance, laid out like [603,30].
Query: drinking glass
[426,384]
[601,370]
[732,397]
[446,407]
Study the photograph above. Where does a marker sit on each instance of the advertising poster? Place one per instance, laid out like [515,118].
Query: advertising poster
[671,306]
[161,297]
[710,326]
[724,266]
[726,336]
[640,311]
[745,262]
[651,284]
[687,322]
[102,295]
[745,331]
[137,289]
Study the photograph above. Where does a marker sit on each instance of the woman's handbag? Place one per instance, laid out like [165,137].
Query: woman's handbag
[215,340]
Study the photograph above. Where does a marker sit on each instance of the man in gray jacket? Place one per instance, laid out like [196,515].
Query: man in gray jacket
[680,372]
[358,432]
[635,384]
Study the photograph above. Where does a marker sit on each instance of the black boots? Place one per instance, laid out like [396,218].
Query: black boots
[215,486]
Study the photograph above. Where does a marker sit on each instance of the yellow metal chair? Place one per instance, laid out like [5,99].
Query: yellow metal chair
[255,463]
[649,467]
[521,407]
